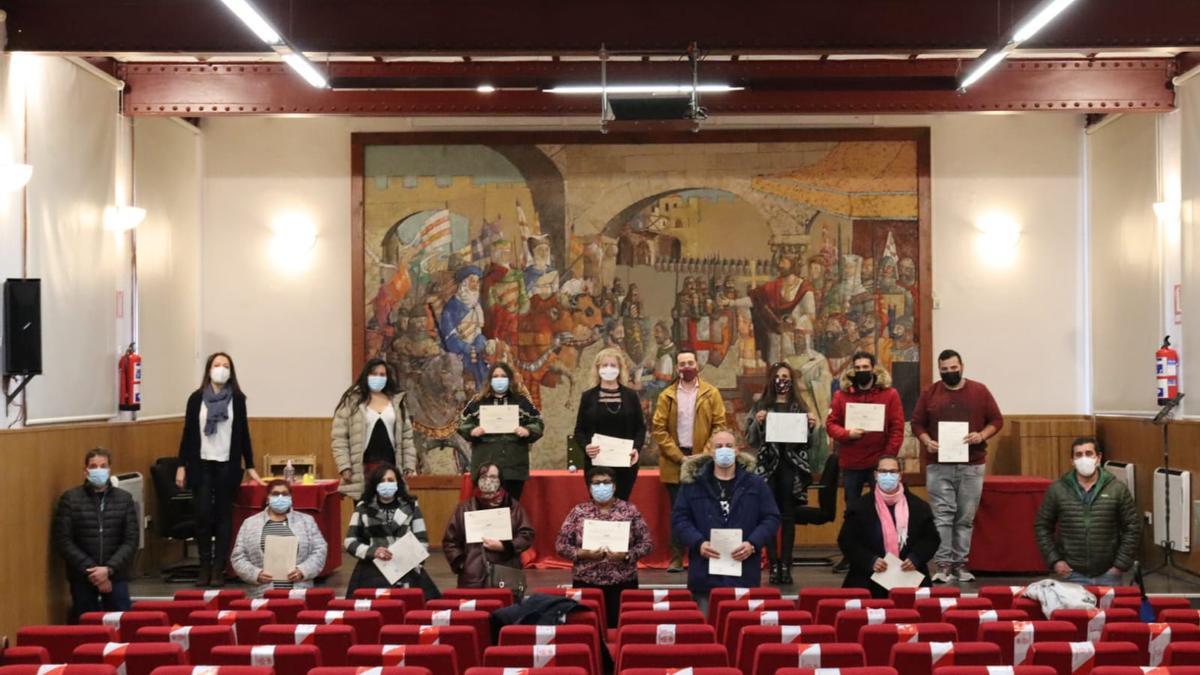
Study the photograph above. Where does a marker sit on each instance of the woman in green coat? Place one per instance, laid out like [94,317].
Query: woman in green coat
[508,450]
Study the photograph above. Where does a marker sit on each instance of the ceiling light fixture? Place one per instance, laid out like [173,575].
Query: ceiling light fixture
[1029,26]
[669,89]
[982,68]
[254,21]
[305,68]
[1040,17]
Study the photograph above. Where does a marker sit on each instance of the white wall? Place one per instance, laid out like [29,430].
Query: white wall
[1019,327]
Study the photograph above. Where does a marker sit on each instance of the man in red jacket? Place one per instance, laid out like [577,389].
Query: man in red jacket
[858,449]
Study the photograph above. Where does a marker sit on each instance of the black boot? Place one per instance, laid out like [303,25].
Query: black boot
[785,573]
[773,579]
[204,576]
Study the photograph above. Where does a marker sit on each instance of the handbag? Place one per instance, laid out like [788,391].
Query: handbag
[502,576]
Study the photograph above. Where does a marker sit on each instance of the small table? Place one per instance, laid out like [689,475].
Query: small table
[321,500]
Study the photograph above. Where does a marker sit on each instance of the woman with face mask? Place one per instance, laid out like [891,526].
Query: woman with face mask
[784,466]
[508,450]
[385,513]
[279,519]
[612,409]
[887,520]
[214,451]
[612,571]
[371,427]
[471,561]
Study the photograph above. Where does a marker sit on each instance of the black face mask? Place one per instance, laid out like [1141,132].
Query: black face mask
[862,379]
[952,379]
[782,385]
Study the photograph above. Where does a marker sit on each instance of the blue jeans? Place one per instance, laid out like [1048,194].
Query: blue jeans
[87,598]
[1105,579]
[854,480]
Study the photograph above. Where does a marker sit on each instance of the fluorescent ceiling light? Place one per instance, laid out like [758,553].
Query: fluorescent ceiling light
[254,21]
[13,177]
[485,89]
[306,69]
[1042,17]
[643,89]
[982,69]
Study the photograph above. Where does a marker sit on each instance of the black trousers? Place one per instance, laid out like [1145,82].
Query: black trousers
[612,596]
[624,478]
[514,488]
[212,502]
[780,483]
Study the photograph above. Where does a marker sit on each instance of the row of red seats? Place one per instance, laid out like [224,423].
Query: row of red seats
[870,670]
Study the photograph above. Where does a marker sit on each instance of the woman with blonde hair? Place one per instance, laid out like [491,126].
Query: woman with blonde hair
[508,450]
[612,409]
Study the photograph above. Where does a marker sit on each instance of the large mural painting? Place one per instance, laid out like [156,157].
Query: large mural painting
[540,255]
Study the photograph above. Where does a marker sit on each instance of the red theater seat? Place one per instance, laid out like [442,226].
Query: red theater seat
[661,606]
[718,595]
[438,659]
[464,605]
[878,640]
[504,595]
[753,638]
[245,623]
[511,636]
[1183,654]
[126,624]
[177,611]
[579,594]
[366,625]
[1031,607]
[810,597]
[413,598]
[770,658]
[995,670]
[285,659]
[666,634]
[933,609]
[827,610]
[1151,638]
[1016,637]
[655,618]
[1141,670]
[737,621]
[197,641]
[23,656]
[60,641]
[1001,596]
[313,598]
[922,658]
[1106,594]
[539,656]
[905,597]
[968,621]
[1158,603]
[1180,616]
[214,599]
[214,670]
[654,594]
[285,611]
[668,671]
[1089,623]
[461,639]
[671,657]
[721,615]
[1079,658]
[480,621]
[333,641]
[390,611]
[346,670]
[850,621]
[132,658]
[59,669]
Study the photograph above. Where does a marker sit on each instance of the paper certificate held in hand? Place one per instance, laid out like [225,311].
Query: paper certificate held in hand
[279,556]
[499,419]
[407,553]
[787,427]
[894,577]
[613,451]
[951,446]
[724,541]
[610,534]
[865,416]
[488,523]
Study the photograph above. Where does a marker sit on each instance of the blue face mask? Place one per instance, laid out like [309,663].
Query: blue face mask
[603,492]
[888,482]
[281,503]
[376,382]
[98,477]
[725,456]
[387,490]
[500,384]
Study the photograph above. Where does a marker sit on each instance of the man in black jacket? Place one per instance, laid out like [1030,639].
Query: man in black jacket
[96,532]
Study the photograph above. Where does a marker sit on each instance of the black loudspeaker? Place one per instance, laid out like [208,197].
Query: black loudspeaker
[22,327]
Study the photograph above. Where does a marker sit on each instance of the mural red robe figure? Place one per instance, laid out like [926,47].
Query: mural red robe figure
[773,310]
[503,290]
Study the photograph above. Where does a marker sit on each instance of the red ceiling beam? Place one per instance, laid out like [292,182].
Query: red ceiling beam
[856,87]
[555,26]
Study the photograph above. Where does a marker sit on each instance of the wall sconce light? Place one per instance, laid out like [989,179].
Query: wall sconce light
[998,236]
[293,241]
[123,218]
[13,177]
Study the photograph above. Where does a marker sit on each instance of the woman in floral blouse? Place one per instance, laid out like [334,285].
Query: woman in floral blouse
[610,571]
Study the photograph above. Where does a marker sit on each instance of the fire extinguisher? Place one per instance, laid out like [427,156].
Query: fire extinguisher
[129,370]
[1167,360]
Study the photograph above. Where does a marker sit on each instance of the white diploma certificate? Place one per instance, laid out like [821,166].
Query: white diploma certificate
[488,523]
[610,534]
[407,553]
[724,541]
[787,427]
[279,556]
[894,577]
[499,419]
[951,446]
[865,416]
[613,451]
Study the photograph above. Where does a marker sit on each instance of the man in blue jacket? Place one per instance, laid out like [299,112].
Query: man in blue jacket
[718,490]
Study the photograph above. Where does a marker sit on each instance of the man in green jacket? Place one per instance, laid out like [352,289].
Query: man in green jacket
[1097,521]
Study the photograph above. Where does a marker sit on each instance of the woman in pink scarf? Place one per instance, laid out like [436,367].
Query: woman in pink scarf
[889,519]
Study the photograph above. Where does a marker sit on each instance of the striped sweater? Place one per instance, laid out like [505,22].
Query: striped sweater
[371,529]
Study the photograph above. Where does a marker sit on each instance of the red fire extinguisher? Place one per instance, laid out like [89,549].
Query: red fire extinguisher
[129,370]
[1167,360]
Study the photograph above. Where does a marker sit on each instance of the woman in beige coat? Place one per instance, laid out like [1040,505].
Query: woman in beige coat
[371,427]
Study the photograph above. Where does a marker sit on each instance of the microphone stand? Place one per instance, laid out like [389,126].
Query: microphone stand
[1163,419]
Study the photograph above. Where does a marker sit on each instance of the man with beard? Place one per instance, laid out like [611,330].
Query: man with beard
[461,324]
[504,294]
[788,295]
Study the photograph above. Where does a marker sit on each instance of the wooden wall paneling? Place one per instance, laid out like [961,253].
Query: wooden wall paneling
[1042,443]
[438,497]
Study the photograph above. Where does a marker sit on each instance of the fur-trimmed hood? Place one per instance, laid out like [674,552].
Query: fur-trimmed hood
[692,466]
[883,379]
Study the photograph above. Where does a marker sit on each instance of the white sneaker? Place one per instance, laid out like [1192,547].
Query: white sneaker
[963,574]
[943,576]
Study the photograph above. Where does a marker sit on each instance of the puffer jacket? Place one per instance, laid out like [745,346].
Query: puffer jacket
[697,511]
[1093,537]
[94,529]
[349,438]
[862,453]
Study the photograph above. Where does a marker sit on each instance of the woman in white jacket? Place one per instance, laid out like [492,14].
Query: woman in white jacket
[371,428]
[279,520]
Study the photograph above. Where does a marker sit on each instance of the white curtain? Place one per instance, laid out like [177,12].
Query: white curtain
[1187,98]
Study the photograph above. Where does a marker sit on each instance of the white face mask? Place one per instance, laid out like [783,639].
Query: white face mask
[609,373]
[1086,466]
[219,374]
